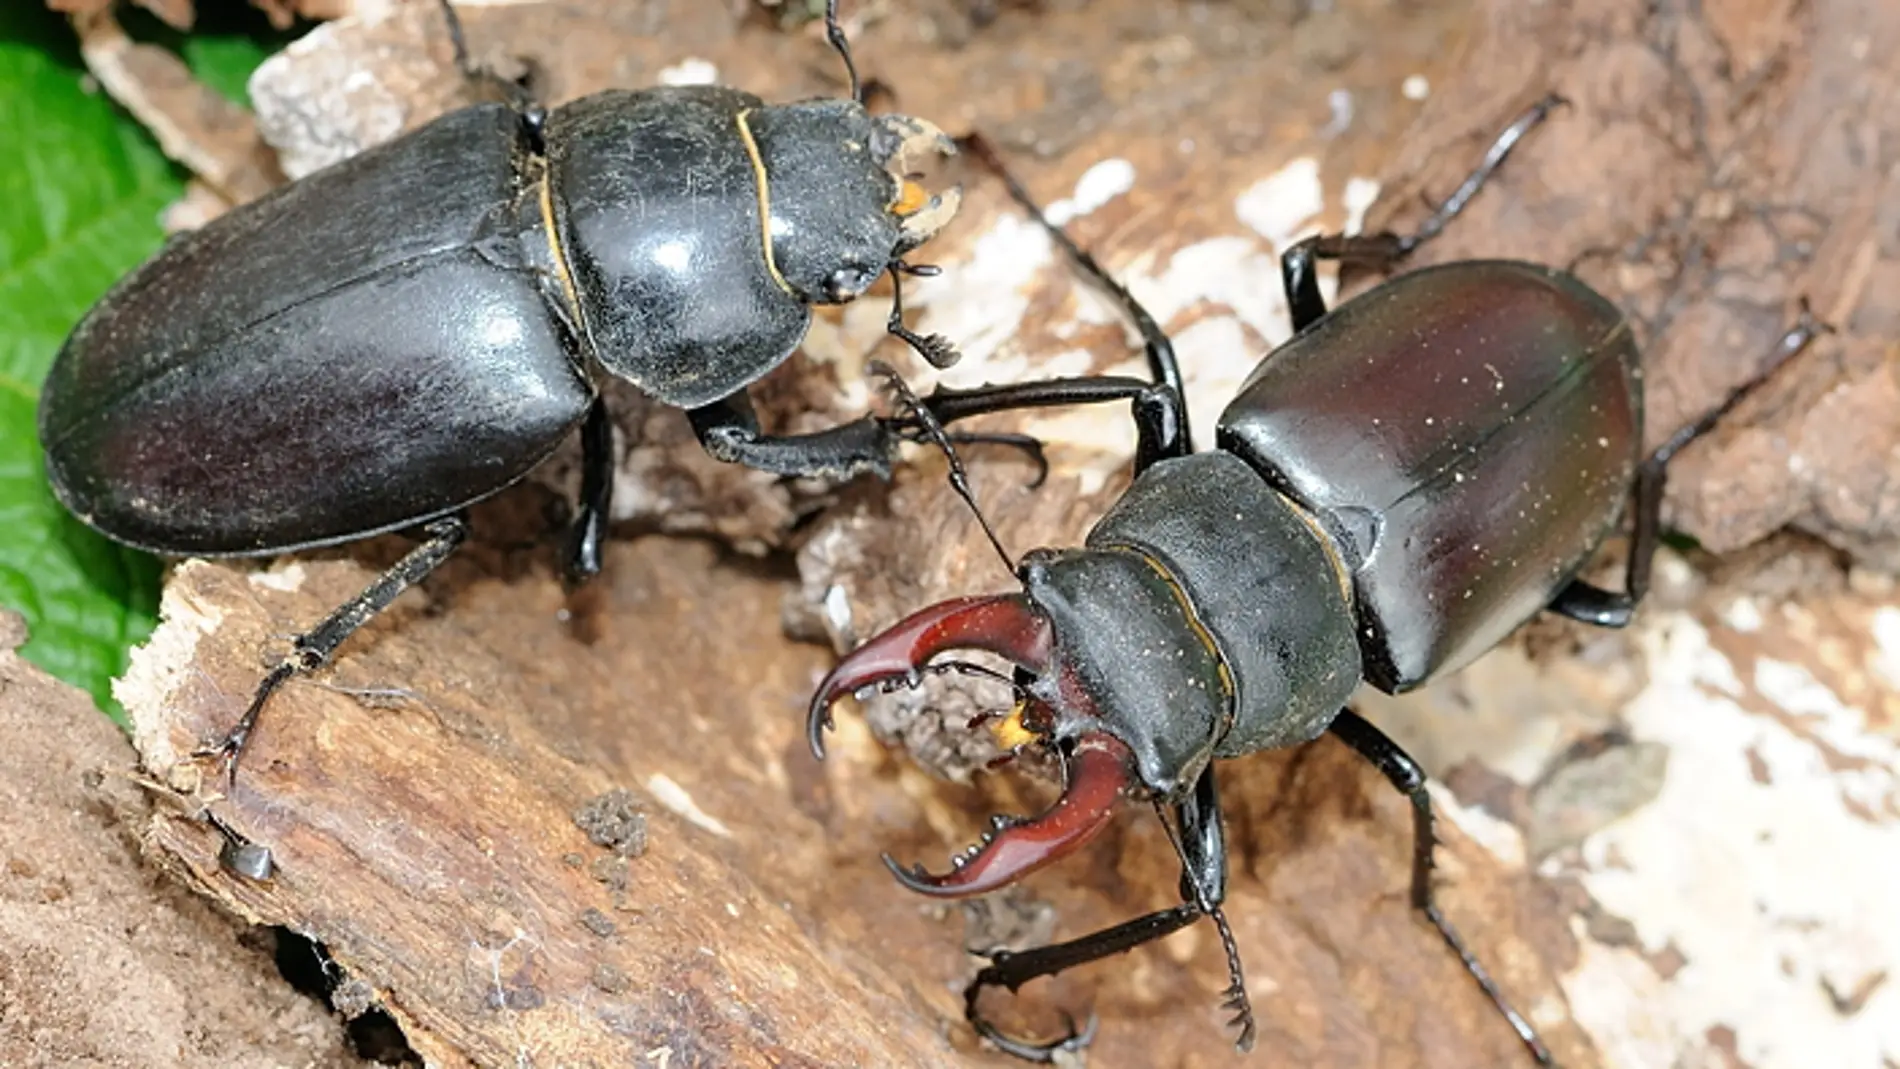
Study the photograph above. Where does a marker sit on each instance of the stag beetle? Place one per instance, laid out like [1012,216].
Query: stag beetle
[1395,490]
[402,334]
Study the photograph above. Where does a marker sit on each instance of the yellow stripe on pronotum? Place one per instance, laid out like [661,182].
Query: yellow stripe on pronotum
[1340,572]
[555,251]
[1200,630]
[765,197]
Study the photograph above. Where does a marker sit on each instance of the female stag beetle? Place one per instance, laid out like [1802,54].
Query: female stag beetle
[1395,490]
[397,336]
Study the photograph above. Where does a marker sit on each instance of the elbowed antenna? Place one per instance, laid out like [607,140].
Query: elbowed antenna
[933,427]
[834,32]
[937,350]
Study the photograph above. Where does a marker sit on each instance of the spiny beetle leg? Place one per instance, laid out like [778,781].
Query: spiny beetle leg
[1408,779]
[1605,608]
[1194,829]
[1012,969]
[1162,362]
[1298,264]
[313,648]
[1029,445]
[728,429]
[1160,414]
[834,34]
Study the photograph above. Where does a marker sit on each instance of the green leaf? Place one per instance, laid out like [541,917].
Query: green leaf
[81,189]
[223,61]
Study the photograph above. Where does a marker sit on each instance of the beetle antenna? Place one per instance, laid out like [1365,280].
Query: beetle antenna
[834,32]
[934,348]
[959,478]
[940,353]
[1234,999]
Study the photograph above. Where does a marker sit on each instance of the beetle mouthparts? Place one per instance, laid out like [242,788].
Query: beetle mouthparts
[904,141]
[1002,624]
[923,224]
[1096,773]
[903,145]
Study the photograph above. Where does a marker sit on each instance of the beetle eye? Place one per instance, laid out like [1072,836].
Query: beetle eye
[846,283]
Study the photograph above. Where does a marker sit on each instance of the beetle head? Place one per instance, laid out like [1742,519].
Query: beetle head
[1114,678]
[839,185]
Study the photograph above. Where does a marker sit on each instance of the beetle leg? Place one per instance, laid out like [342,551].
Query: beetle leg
[1002,624]
[1160,415]
[534,116]
[1098,769]
[728,429]
[1588,604]
[1012,969]
[1162,363]
[1379,252]
[1606,608]
[1404,774]
[1030,446]
[1299,268]
[595,506]
[240,855]
[313,648]
[1527,120]
[1097,772]
[1195,832]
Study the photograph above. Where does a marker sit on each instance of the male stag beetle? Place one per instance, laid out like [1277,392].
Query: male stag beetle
[1395,490]
[411,330]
